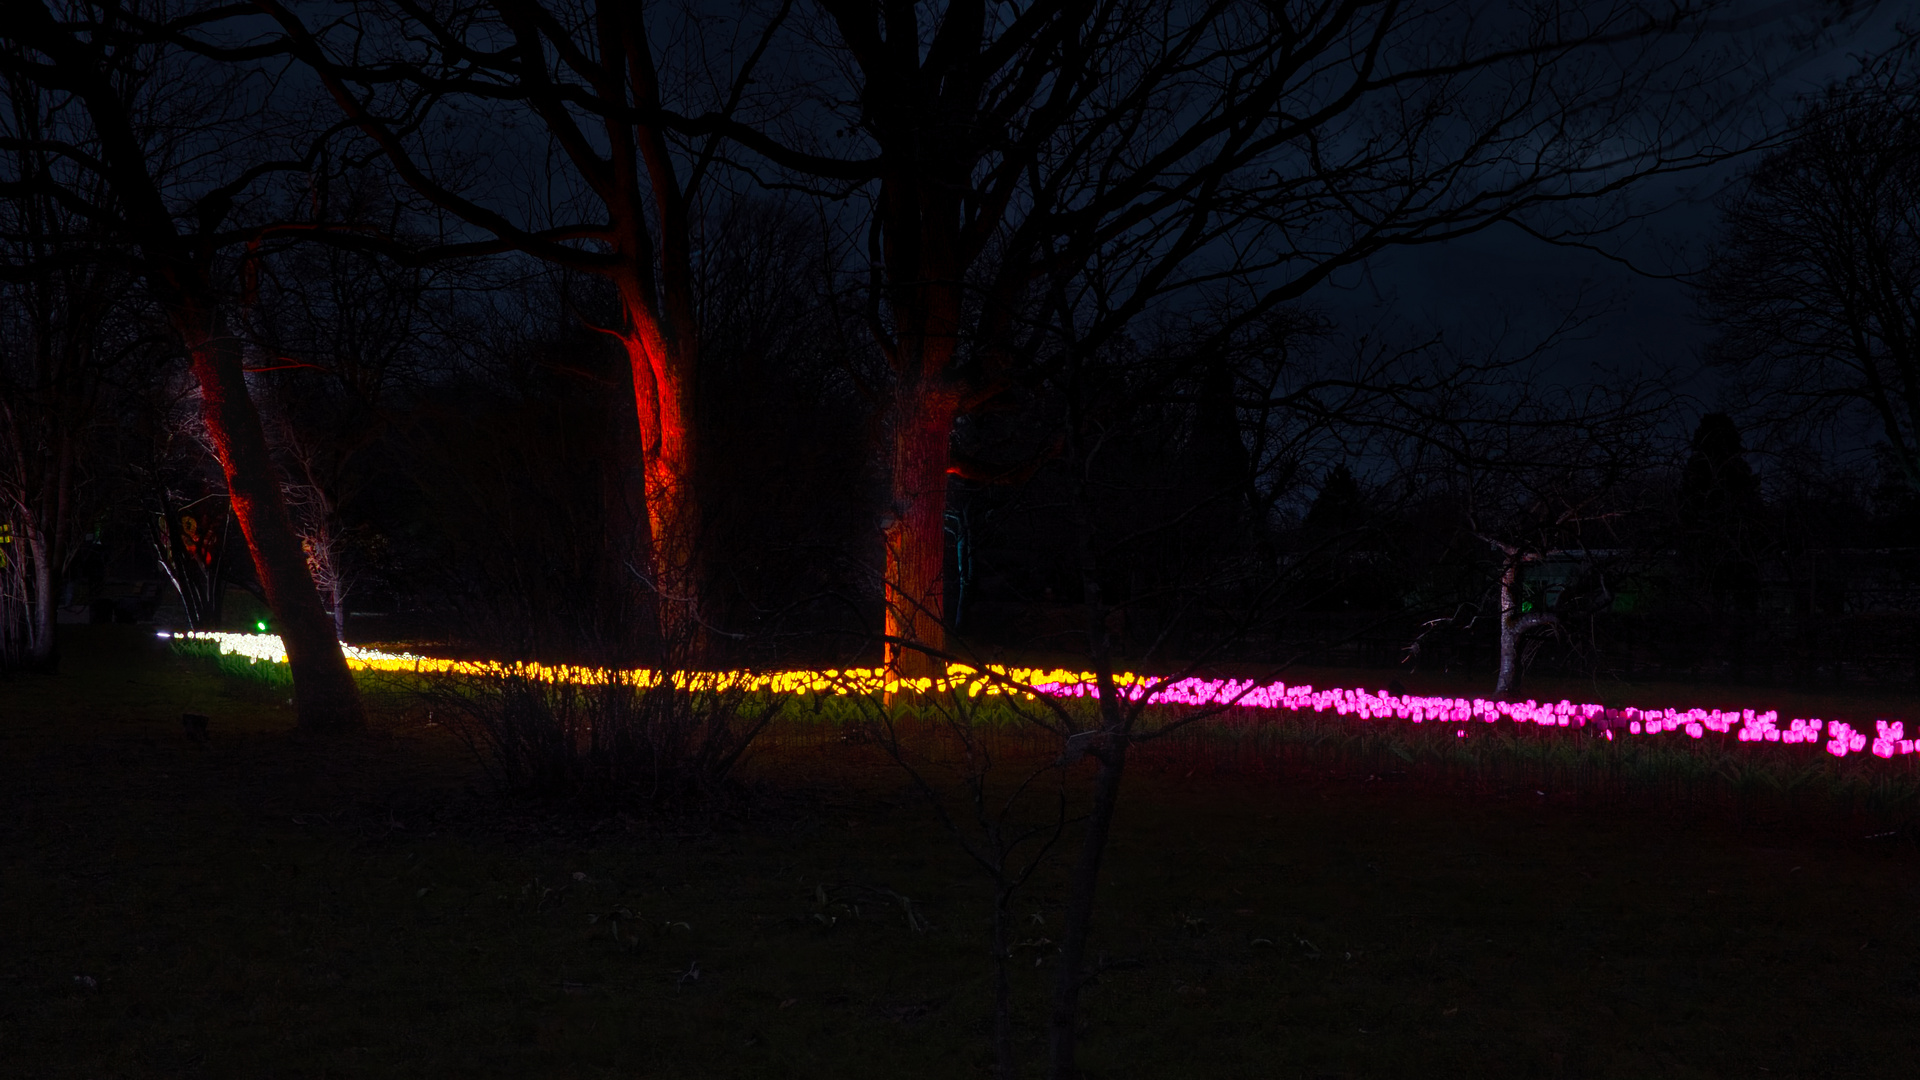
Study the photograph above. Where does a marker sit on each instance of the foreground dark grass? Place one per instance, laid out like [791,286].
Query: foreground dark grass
[270,906]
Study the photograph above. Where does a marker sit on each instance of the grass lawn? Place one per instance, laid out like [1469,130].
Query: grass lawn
[270,906]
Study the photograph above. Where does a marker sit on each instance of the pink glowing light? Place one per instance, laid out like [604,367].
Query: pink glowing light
[1837,737]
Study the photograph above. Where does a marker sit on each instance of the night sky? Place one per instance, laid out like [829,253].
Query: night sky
[1640,322]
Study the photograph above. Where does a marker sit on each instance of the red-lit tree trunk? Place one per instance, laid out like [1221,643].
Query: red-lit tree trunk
[122,114]
[576,69]
[627,533]
[663,387]
[324,695]
[931,100]
[924,270]
[915,528]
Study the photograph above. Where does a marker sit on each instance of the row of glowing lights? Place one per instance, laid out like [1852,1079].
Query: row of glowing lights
[1838,737]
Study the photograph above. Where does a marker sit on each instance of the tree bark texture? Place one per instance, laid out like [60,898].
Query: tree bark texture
[655,279]
[324,695]
[1514,626]
[663,387]
[915,531]
[630,615]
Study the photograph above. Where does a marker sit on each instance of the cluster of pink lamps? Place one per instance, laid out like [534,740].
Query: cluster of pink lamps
[1839,737]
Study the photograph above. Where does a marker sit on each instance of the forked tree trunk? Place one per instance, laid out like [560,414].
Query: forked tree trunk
[324,695]
[915,532]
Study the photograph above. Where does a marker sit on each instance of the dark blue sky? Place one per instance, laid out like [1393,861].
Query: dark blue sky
[1467,287]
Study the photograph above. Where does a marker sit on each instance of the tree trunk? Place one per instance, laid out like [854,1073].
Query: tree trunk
[915,532]
[214,607]
[14,616]
[324,695]
[26,576]
[630,615]
[1515,625]
[1004,1065]
[195,566]
[51,548]
[1078,921]
[340,615]
[40,603]
[26,595]
[1509,628]
[189,597]
[663,401]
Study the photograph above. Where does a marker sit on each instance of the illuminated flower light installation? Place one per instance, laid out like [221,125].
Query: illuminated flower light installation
[1836,736]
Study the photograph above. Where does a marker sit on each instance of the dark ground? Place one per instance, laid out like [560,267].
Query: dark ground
[269,906]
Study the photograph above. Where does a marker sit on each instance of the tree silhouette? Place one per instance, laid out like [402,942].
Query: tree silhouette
[1815,284]
[157,154]
[1719,513]
[1041,177]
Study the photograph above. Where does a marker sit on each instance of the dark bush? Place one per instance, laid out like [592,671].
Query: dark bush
[603,746]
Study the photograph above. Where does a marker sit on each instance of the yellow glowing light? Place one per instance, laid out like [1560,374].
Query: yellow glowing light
[1837,737]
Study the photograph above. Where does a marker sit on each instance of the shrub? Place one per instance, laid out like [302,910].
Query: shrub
[604,746]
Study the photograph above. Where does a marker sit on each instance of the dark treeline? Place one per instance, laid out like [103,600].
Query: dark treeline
[1147,422]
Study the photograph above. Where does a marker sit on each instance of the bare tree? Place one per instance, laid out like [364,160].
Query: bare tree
[63,329]
[27,557]
[1814,288]
[337,338]
[67,324]
[1719,517]
[190,518]
[1106,156]
[1540,469]
[324,538]
[155,152]
[613,194]
[1534,472]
